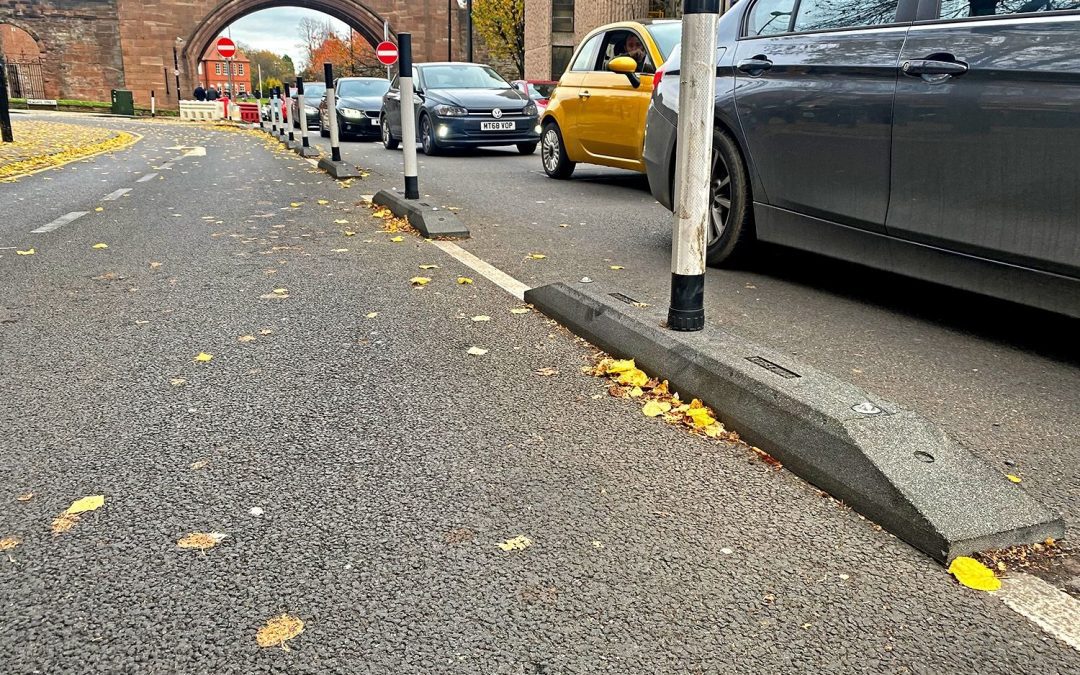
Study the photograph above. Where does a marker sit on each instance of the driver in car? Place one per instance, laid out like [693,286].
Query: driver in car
[635,50]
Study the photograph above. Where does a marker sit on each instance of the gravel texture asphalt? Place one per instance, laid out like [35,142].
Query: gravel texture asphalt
[389,463]
[1003,380]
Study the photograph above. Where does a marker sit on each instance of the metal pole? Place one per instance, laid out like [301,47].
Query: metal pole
[5,115]
[331,111]
[289,121]
[408,115]
[693,164]
[165,72]
[261,92]
[176,71]
[386,38]
[232,89]
[468,32]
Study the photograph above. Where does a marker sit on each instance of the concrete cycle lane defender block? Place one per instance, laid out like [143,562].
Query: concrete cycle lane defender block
[430,220]
[889,464]
[338,169]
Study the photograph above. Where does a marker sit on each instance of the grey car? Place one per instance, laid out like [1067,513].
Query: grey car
[934,138]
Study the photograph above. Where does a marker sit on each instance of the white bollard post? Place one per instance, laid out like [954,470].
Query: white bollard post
[305,148]
[408,115]
[693,164]
[334,166]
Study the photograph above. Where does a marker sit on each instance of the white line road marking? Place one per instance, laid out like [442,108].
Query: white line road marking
[1051,609]
[149,176]
[113,196]
[312,162]
[488,271]
[59,222]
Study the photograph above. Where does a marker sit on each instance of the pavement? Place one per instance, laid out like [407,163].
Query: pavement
[366,469]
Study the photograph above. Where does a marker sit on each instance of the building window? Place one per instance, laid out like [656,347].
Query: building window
[240,68]
[560,59]
[217,67]
[562,16]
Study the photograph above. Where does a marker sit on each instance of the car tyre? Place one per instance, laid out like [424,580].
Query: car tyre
[388,140]
[553,153]
[427,137]
[527,148]
[731,217]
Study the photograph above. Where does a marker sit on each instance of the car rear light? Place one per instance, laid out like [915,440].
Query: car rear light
[659,75]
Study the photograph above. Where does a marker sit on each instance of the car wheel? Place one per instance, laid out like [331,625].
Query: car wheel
[526,148]
[731,218]
[553,153]
[427,137]
[388,140]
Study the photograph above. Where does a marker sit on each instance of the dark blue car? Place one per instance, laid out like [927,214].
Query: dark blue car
[462,105]
[358,102]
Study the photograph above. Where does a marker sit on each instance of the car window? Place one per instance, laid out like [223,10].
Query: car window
[770,17]
[540,90]
[363,87]
[831,14]
[623,42]
[962,9]
[462,77]
[666,35]
[314,89]
[586,57]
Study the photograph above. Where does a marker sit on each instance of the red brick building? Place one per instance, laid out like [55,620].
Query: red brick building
[214,71]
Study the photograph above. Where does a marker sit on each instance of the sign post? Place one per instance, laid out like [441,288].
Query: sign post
[227,49]
[305,150]
[5,116]
[408,117]
[334,166]
[693,165]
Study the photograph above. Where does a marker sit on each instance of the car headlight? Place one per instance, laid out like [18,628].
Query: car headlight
[311,110]
[450,111]
[529,110]
[351,112]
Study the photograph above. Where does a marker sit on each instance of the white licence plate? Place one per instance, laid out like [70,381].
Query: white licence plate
[374,121]
[496,126]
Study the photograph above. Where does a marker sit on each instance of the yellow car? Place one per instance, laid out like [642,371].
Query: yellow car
[597,112]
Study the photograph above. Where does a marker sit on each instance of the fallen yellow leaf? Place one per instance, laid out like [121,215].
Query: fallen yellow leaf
[8,543]
[340,250]
[25,497]
[265,331]
[1015,479]
[519,310]
[349,233]
[201,540]
[246,338]
[477,351]
[341,221]
[636,392]
[633,377]
[201,464]
[279,629]
[63,523]
[382,213]
[973,574]
[398,239]
[100,246]
[28,251]
[482,317]
[420,281]
[323,202]
[85,504]
[295,204]
[177,381]
[203,357]
[464,280]
[700,417]
[655,408]
[537,256]
[372,315]
[99,209]
[620,366]
[617,267]
[429,267]
[518,543]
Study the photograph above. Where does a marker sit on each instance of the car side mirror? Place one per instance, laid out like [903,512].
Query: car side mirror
[626,66]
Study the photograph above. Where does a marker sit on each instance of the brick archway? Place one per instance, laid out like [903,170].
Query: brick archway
[92,46]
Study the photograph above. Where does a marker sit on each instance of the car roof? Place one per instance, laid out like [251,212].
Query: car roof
[359,77]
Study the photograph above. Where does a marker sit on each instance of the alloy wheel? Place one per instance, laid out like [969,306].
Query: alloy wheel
[549,150]
[385,132]
[425,135]
[719,199]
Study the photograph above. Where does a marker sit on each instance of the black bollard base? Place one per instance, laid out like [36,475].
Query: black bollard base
[338,169]
[307,151]
[430,220]
[293,145]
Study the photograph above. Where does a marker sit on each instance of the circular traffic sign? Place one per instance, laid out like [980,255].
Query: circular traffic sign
[386,52]
[226,47]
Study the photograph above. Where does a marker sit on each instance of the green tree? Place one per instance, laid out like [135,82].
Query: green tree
[501,25]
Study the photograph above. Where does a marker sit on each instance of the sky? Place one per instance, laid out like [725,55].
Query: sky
[276,29]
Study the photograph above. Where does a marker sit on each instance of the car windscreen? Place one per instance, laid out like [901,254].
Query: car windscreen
[540,90]
[358,88]
[313,90]
[666,36]
[462,77]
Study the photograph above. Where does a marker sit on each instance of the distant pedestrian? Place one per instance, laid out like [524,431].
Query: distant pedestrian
[211,94]
[200,93]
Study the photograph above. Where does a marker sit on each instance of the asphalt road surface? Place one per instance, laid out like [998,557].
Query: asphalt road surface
[385,464]
[1003,380]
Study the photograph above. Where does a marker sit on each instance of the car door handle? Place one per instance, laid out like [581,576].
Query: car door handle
[755,66]
[920,67]
[584,94]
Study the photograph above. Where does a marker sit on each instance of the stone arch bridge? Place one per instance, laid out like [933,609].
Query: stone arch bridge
[90,47]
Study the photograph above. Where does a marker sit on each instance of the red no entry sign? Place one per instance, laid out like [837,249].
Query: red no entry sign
[226,47]
[386,53]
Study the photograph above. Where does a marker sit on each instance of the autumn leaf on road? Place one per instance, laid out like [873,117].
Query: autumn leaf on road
[429,267]
[8,543]
[482,317]
[655,408]
[203,357]
[25,497]
[202,541]
[1014,479]
[91,503]
[341,221]
[382,213]
[372,315]
[279,629]
[296,204]
[246,338]
[546,372]
[973,574]
[617,267]
[464,280]
[520,310]
[477,351]
[100,246]
[537,256]
[518,543]
[323,202]
[420,281]
[28,251]
[398,239]
[348,233]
